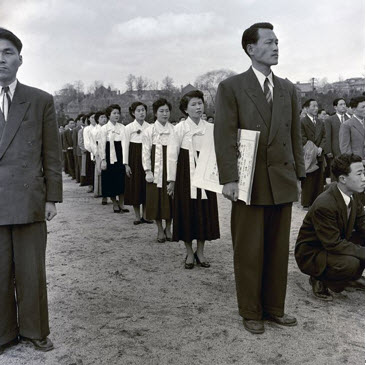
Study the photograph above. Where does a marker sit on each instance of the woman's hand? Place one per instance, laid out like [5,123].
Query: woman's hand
[103,165]
[128,170]
[170,188]
[149,176]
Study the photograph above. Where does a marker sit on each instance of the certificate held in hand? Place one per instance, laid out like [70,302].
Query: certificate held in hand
[206,175]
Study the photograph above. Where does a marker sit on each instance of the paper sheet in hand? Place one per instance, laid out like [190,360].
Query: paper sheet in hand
[206,175]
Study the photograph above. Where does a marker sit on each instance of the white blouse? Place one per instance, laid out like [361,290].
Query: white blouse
[187,135]
[111,133]
[133,133]
[158,135]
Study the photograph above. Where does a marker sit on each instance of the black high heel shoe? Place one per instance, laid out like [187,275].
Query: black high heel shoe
[203,264]
[188,266]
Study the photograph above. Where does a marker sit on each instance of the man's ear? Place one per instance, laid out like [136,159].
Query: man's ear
[21,59]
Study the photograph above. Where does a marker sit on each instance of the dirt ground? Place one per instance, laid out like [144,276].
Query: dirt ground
[116,296]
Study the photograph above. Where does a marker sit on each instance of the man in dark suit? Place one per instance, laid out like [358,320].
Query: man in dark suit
[330,243]
[352,132]
[258,100]
[332,125]
[30,185]
[312,129]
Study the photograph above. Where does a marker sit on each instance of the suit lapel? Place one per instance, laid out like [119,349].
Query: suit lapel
[254,90]
[278,103]
[359,127]
[341,205]
[318,129]
[17,111]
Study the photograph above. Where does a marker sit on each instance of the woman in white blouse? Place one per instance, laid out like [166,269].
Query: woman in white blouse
[135,192]
[195,214]
[113,171]
[154,160]
[101,120]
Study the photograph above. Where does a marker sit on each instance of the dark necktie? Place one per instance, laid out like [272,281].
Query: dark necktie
[349,206]
[342,118]
[267,92]
[6,102]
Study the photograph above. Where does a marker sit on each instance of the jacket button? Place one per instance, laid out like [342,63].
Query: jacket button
[26,186]
[284,143]
[25,164]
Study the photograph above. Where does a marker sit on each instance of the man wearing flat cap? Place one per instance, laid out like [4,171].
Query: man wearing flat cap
[30,185]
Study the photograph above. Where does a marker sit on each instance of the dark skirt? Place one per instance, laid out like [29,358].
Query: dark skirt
[135,184]
[113,178]
[89,170]
[158,202]
[192,218]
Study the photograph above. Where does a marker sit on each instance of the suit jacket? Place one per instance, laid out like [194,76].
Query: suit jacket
[241,104]
[30,158]
[326,229]
[332,125]
[67,138]
[314,133]
[75,141]
[352,137]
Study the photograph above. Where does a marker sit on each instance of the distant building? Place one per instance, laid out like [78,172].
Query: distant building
[304,89]
[188,88]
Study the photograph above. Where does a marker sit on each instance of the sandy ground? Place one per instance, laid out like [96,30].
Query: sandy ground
[116,296]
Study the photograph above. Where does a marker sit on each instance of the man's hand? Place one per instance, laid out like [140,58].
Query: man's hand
[170,188]
[50,210]
[103,165]
[320,150]
[128,170]
[231,191]
[330,155]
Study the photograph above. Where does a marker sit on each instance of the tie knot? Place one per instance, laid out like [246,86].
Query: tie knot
[6,89]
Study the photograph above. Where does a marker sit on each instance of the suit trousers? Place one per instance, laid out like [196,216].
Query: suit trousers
[312,186]
[71,163]
[23,291]
[260,237]
[77,167]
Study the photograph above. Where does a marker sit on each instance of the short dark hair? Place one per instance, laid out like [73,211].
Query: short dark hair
[187,97]
[69,120]
[335,101]
[80,116]
[11,37]
[307,103]
[110,108]
[355,101]
[133,107]
[341,165]
[158,103]
[250,35]
[98,114]
[321,110]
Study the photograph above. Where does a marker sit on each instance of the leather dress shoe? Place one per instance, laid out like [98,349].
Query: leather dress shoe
[320,290]
[254,326]
[188,266]
[358,284]
[285,320]
[143,220]
[45,344]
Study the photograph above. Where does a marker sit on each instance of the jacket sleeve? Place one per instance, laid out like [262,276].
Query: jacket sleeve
[51,153]
[328,136]
[296,139]
[146,149]
[345,138]
[304,136]
[327,230]
[322,141]
[226,133]
[173,148]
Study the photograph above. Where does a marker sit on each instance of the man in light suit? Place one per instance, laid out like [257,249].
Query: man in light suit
[332,125]
[352,132]
[30,185]
[312,129]
[258,100]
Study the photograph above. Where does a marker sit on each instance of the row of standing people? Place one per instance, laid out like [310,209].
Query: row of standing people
[326,139]
[150,167]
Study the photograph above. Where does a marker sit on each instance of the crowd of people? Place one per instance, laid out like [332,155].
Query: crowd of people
[148,166]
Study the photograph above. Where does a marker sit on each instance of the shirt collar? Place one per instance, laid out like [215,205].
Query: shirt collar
[12,87]
[340,116]
[346,198]
[311,117]
[261,77]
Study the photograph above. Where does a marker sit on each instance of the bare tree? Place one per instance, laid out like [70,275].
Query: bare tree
[142,84]
[209,82]
[167,84]
[130,82]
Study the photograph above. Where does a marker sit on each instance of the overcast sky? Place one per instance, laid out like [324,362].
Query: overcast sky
[69,40]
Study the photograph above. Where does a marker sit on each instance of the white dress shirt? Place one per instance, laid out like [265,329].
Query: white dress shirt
[187,135]
[4,100]
[133,134]
[158,135]
[261,78]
